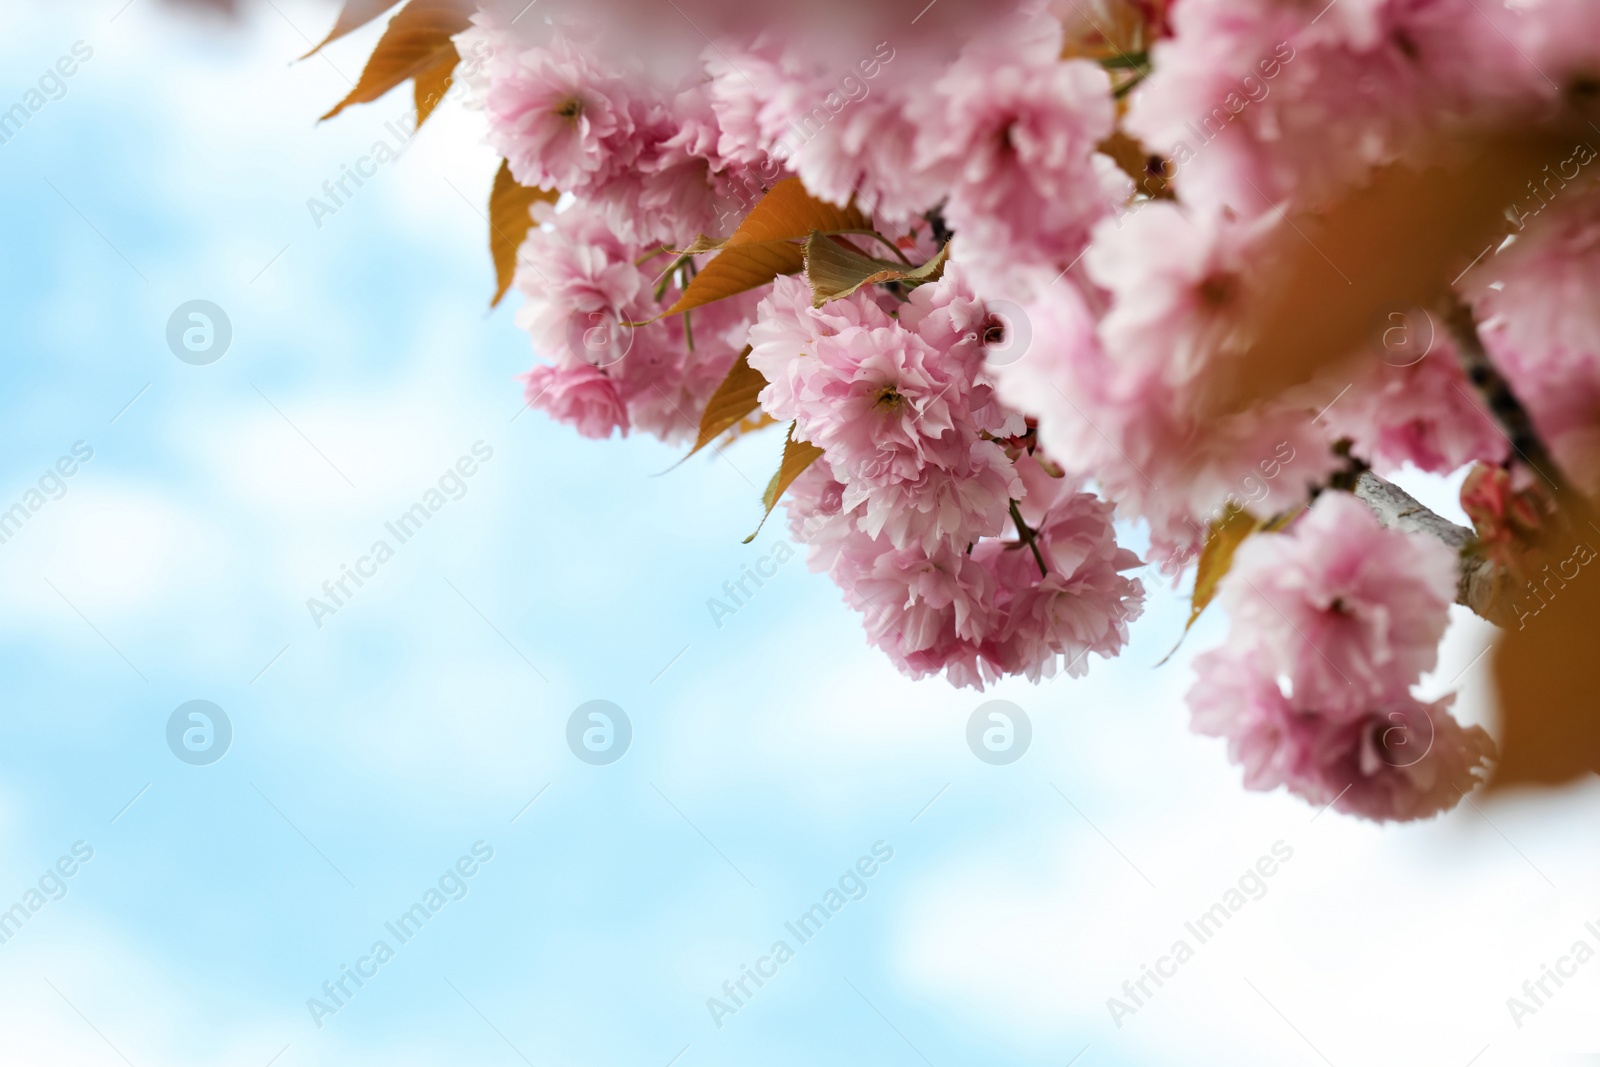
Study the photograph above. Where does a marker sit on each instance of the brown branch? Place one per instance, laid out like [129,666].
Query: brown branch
[1506,410]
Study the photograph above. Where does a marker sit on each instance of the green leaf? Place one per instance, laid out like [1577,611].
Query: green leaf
[797,456]
[763,246]
[836,270]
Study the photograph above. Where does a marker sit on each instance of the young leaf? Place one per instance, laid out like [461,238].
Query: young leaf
[1216,558]
[1223,538]
[737,270]
[789,213]
[430,85]
[510,218]
[416,40]
[759,420]
[763,246]
[352,16]
[734,399]
[835,270]
[797,456]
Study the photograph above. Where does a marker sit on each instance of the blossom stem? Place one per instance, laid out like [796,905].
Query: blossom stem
[1025,532]
[670,273]
[652,254]
[1124,61]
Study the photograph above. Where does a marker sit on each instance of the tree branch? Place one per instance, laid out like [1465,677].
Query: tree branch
[1399,510]
[1504,407]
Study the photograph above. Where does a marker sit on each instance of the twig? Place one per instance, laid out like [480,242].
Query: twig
[1399,510]
[1502,403]
[1026,533]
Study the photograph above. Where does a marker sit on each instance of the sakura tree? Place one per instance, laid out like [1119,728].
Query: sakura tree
[1001,273]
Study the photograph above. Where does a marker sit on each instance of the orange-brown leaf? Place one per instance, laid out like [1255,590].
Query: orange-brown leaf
[1223,538]
[759,420]
[789,213]
[797,456]
[1326,276]
[416,39]
[734,399]
[430,85]
[738,270]
[764,247]
[1216,558]
[352,16]
[510,218]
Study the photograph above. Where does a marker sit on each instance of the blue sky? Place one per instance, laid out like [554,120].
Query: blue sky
[370,753]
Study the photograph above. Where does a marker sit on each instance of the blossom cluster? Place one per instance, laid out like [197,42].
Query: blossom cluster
[586,286]
[911,508]
[954,562]
[981,428]
[1333,622]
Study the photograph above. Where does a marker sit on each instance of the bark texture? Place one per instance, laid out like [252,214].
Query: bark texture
[1475,577]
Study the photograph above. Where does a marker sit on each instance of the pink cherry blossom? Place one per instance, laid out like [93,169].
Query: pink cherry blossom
[1419,409]
[1558,45]
[1345,609]
[982,615]
[1013,129]
[1178,280]
[560,121]
[1539,319]
[985,435]
[784,337]
[578,394]
[1397,759]
[1123,424]
[583,287]
[1257,102]
[1082,605]
[890,413]
[899,407]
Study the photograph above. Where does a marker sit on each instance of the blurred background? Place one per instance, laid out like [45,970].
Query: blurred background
[229,872]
